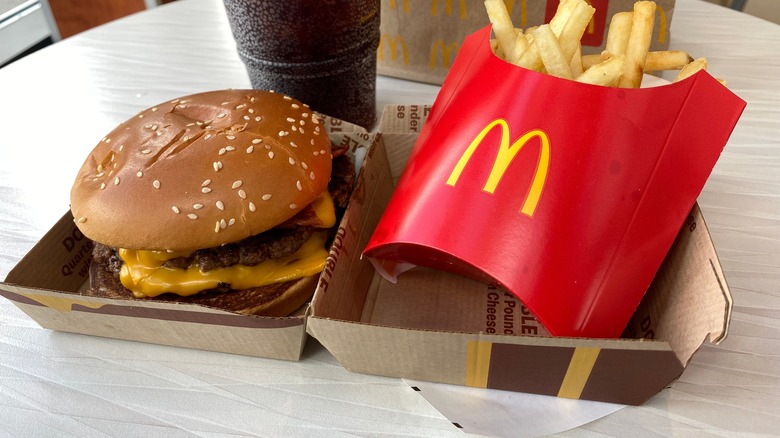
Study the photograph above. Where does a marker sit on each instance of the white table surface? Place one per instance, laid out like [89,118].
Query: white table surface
[55,105]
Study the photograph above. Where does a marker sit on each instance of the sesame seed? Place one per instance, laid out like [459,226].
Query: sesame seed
[224,103]
[311,175]
[230,148]
[205,183]
[197,206]
[311,142]
[220,205]
[296,106]
[304,165]
[271,154]
[241,194]
[258,118]
[291,160]
[221,115]
[205,190]
[183,101]
[216,165]
[316,153]
[116,181]
[231,221]
[266,197]
[282,133]
[102,186]
[100,168]
[257,140]
[294,128]
[192,216]
[252,206]
[251,110]
[236,184]
[247,118]
[208,136]
[252,99]
[81,220]
[154,109]
[242,106]
[140,116]
[302,122]
[230,137]
[301,129]
[299,185]
[305,115]
[222,151]
[108,140]
[287,98]
[250,149]
[121,147]
[216,227]
[156,184]
[292,143]
[290,119]
[222,223]
[176,209]
[154,127]
[159,133]
[322,151]
[268,146]
[146,151]
[139,174]
[293,206]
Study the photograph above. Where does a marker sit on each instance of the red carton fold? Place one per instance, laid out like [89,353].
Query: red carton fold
[568,195]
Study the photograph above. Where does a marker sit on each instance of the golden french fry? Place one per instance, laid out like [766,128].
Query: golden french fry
[589,61]
[576,62]
[638,44]
[605,73]
[562,14]
[666,60]
[521,45]
[496,48]
[550,51]
[571,34]
[503,28]
[690,69]
[617,35]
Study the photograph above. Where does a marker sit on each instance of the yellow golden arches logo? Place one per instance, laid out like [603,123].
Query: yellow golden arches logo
[504,157]
[392,43]
[447,53]
[510,6]
[448,8]
[406,5]
[662,25]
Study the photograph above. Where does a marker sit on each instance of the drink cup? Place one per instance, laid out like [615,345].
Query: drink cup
[321,52]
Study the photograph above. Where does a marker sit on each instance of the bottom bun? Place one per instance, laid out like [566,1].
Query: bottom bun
[280,299]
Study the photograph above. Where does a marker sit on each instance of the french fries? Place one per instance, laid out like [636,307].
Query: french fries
[555,48]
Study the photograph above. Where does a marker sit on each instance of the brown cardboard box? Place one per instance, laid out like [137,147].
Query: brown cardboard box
[44,285]
[419,39]
[439,327]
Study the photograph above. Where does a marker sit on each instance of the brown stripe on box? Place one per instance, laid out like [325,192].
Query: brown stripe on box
[631,376]
[528,368]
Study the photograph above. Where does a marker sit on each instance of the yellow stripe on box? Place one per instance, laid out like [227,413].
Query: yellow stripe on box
[478,363]
[579,370]
[61,304]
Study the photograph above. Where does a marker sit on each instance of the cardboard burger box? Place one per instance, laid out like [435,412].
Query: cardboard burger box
[45,285]
[440,327]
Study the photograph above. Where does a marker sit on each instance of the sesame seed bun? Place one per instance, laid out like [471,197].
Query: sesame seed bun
[201,171]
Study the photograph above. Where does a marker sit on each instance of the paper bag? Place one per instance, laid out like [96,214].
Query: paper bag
[420,39]
[568,195]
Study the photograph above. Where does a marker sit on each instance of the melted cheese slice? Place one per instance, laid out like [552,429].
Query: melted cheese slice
[143,272]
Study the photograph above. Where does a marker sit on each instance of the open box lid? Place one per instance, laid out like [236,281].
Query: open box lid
[432,326]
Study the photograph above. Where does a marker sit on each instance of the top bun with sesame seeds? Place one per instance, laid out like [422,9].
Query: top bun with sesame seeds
[201,171]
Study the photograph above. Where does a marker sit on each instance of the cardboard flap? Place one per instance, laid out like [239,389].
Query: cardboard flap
[685,310]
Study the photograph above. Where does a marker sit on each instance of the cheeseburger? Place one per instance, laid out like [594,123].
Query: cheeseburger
[224,199]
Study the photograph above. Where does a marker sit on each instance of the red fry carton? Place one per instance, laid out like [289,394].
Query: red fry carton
[568,195]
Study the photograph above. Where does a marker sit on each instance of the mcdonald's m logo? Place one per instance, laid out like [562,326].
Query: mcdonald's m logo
[506,153]
[447,53]
[392,43]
